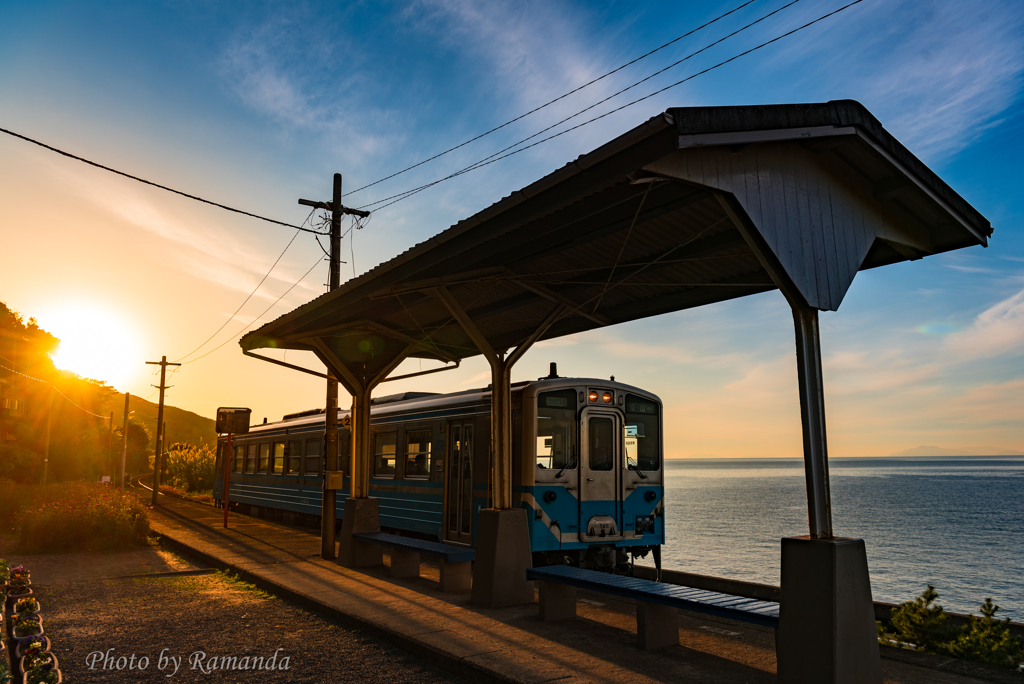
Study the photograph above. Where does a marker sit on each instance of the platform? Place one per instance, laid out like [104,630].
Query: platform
[496,645]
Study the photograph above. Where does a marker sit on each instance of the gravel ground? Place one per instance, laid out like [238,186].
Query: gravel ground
[213,614]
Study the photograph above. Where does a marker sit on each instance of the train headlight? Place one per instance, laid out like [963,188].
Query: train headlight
[650,495]
[550,496]
[592,396]
[606,397]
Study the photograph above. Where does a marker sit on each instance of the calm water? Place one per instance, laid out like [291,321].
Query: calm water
[955,522]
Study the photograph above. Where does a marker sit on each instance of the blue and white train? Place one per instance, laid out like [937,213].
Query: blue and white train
[586,459]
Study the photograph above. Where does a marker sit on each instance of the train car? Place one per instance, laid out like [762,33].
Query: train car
[586,458]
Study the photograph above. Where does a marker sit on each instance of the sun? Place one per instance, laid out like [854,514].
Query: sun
[94,343]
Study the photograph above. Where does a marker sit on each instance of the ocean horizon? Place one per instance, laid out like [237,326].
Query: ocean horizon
[956,522]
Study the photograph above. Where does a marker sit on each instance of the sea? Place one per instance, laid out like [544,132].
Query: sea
[954,522]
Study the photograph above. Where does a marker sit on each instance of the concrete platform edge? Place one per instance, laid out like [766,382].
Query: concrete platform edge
[449,662]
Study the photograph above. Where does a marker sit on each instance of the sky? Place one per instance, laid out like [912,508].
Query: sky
[256,105]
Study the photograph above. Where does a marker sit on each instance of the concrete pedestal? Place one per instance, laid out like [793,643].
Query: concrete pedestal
[361,515]
[657,626]
[456,577]
[502,559]
[557,602]
[826,619]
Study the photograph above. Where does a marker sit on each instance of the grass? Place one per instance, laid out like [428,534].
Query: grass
[237,582]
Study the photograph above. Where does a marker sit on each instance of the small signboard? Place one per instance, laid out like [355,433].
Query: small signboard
[334,480]
[233,420]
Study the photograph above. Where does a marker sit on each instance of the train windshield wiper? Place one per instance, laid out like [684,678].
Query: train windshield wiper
[572,462]
[636,467]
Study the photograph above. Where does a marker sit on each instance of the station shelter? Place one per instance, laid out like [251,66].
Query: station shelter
[694,206]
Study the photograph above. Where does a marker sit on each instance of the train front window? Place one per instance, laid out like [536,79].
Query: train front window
[384,454]
[643,434]
[417,453]
[556,430]
[601,446]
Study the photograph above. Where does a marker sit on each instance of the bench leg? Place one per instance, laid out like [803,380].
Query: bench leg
[456,577]
[657,626]
[405,563]
[557,602]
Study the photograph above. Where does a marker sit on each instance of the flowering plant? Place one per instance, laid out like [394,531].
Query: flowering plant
[5,672]
[32,645]
[43,673]
[19,572]
[17,589]
[26,605]
[41,658]
[27,626]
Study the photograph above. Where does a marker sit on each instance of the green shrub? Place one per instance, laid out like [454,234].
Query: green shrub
[191,467]
[988,640]
[77,516]
[922,622]
[14,498]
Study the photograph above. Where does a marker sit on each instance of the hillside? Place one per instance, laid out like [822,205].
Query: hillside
[182,425]
[939,451]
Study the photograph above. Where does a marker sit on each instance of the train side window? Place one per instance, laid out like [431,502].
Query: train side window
[250,458]
[312,456]
[278,462]
[239,459]
[264,457]
[417,453]
[384,454]
[295,456]
[218,465]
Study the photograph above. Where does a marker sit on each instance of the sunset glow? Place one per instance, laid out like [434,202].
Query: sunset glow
[95,343]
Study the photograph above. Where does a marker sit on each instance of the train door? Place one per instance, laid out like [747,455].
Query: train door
[458,506]
[600,470]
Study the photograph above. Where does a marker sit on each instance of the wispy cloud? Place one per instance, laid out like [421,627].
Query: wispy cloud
[996,331]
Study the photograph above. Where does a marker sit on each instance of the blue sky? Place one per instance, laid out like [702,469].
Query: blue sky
[257,104]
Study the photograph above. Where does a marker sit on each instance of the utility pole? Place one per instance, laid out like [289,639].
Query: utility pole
[49,420]
[328,509]
[158,451]
[124,438]
[110,445]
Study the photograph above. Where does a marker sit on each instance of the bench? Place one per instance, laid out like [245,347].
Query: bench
[456,568]
[657,604]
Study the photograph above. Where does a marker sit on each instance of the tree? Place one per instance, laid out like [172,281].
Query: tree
[137,460]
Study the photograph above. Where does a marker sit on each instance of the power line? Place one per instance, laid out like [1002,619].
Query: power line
[560,97]
[257,317]
[490,160]
[155,185]
[54,387]
[245,301]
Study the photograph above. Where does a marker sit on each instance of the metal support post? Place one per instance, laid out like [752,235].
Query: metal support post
[49,421]
[362,448]
[124,438]
[812,418]
[227,478]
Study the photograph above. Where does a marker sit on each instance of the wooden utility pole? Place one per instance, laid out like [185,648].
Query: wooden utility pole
[49,421]
[330,460]
[158,451]
[124,438]
[110,446]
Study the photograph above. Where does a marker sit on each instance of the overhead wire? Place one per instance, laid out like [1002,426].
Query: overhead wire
[490,160]
[551,102]
[55,389]
[155,185]
[255,289]
[250,324]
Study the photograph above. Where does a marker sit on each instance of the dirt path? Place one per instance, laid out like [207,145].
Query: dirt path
[111,604]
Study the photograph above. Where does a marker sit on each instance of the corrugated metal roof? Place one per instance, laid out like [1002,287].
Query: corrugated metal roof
[614,243]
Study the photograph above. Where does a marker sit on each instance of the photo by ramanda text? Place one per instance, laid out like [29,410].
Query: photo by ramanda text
[197,660]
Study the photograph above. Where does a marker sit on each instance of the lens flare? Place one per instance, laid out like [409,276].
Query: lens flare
[94,343]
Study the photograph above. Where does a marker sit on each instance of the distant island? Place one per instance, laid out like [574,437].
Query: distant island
[939,451]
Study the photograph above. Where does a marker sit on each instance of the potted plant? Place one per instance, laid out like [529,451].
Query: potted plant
[43,673]
[5,672]
[32,644]
[29,661]
[18,572]
[29,625]
[28,604]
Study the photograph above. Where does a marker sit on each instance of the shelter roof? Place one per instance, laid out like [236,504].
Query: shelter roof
[694,206]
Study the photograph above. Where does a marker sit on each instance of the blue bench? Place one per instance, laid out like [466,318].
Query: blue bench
[657,604]
[456,561]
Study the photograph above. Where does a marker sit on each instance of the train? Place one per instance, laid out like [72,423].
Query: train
[587,462]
